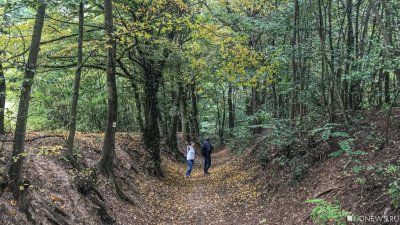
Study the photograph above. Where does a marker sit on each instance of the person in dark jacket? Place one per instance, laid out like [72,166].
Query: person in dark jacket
[206,150]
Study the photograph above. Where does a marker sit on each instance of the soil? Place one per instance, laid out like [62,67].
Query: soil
[238,191]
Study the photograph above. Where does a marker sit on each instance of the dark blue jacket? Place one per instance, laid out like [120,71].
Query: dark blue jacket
[207,148]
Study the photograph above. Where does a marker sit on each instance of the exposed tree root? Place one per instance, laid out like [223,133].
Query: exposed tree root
[36,138]
[120,193]
[326,191]
[20,190]
[87,188]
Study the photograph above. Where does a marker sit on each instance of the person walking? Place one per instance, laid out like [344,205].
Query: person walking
[206,150]
[190,158]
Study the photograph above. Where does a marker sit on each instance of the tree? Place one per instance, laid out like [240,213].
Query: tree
[106,163]
[2,99]
[74,106]
[17,185]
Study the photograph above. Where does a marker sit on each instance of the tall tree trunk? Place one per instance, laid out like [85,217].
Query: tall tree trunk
[386,30]
[17,185]
[195,121]
[69,154]
[386,79]
[172,138]
[293,94]
[167,118]
[138,104]
[151,134]
[222,122]
[106,163]
[334,75]
[2,99]
[183,108]
[231,109]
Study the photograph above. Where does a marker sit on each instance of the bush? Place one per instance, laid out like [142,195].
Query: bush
[325,212]
[298,168]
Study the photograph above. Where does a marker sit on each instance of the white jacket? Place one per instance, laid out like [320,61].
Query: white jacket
[190,153]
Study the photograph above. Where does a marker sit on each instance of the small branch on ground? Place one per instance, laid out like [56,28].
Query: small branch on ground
[36,138]
[326,191]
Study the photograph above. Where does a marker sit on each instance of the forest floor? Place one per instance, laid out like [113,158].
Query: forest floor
[238,191]
[226,196]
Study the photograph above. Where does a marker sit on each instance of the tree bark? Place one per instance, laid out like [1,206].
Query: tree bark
[172,138]
[231,109]
[386,79]
[106,163]
[17,185]
[183,108]
[293,94]
[151,134]
[69,154]
[195,121]
[3,90]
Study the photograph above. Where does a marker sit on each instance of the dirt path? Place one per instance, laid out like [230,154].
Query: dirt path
[226,196]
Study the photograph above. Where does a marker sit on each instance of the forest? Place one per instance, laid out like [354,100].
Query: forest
[300,99]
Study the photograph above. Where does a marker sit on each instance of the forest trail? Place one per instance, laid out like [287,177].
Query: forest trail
[223,197]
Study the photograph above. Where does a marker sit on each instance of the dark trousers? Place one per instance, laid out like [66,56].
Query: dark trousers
[207,162]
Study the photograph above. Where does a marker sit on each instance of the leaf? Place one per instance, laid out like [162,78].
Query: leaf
[357,169]
[263,221]
[21,187]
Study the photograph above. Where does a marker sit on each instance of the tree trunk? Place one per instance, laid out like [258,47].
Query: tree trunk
[138,104]
[2,99]
[106,163]
[386,79]
[17,185]
[172,138]
[195,121]
[69,153]
[151,134]
[183,108]
[293,94]
[231,118]
[222,122]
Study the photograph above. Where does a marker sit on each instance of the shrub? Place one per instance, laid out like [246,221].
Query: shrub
[298,168]
[325,212]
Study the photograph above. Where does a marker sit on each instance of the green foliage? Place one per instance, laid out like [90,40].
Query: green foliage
[326,131]
[282,161]
[325,212]
[361,180]
[262,157]
[357,169]
[346,147]
[19,156]
[346,143]
[299,169]
[393,171]
[394,192]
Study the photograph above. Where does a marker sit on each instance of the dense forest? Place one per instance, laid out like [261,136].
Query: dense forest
[296,83]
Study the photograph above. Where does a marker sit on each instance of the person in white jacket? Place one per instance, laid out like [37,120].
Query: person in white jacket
[190,158]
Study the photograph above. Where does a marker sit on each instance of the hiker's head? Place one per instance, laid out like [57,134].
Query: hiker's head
[192,143]
[207,139]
